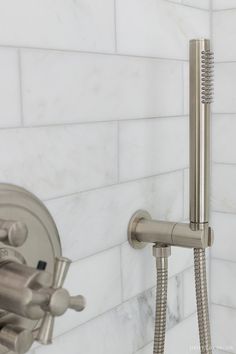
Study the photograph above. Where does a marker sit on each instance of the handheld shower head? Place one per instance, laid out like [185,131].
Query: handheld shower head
[201,95]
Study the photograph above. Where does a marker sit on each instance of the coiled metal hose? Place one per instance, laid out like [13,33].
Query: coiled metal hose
[161,254]
[202,301]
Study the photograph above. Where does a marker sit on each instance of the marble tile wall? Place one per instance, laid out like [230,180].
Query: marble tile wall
[223,266]
[93,120]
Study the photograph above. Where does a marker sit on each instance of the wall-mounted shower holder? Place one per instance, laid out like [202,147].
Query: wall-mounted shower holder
[143,229]
[196,234]
[32,272]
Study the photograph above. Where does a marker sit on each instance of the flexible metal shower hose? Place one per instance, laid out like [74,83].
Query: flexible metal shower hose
[202,301]
[161,305]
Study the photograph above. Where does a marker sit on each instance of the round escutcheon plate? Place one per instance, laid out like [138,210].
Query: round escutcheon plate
[135,219]
[42,244]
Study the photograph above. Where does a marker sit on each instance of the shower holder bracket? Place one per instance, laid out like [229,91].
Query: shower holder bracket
[143,229]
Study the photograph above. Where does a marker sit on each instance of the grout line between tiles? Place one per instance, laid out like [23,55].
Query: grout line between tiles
[181,303]
[224,62]
[118,152]
[223,260]
[20,88]
[143,347]
[186,5]
[227,9]
[224,163]
[115,25]
[221,211]
[113,184]
[183,88]
[65,124]
[183,293]
[183,193]
[224,212]
[121,274]
[111,53]
[224,306]
[223,113]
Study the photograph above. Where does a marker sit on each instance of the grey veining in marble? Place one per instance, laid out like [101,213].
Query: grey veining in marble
[175,301]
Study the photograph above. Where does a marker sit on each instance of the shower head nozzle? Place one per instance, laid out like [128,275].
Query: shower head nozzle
[207,67]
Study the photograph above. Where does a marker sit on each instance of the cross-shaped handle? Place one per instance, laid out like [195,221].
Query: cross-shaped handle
[59,301]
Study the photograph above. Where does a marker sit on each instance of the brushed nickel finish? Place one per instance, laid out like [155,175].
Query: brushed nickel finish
[135,220]
[17,339]
[161,251]
[35,235]
[143,230]
[31,277]
[13,233]
[201,89]
[59,301]
[200,97]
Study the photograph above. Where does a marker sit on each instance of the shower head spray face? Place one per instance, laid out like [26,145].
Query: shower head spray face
[207,67]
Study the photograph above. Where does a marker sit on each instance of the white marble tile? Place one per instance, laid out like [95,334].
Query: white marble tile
[98,278]
[224,4]
[189,292]
[223,328]
[225,77]
[139,271]
[65,24]
[158,28]
[223,287]
[223,188]
[224,26]
[55,161]
[102,216]
[183,338]
[186,194]
[149,147]
[186,87]
[105,334]
[70,87]
[141,311]
[10,111]
[175,298]
[224,144]
[175,1]
[148,349]
[181,258]
[203,4]
[122,330]
[224,226]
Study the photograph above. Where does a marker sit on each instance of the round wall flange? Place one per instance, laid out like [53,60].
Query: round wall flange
[41,246]
[135,219]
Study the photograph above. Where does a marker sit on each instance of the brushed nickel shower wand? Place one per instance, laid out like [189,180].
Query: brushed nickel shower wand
[196,234]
